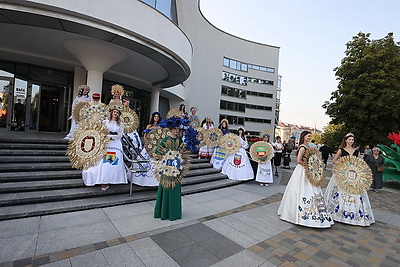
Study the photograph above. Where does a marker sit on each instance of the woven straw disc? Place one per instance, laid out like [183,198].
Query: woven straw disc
[153,138]
[88,145]
[95,112]
[201,136]
[213,136]
[261,152]
[230,143]
[174,113]
[76,109]
[315,169]
[352,174]
[130,120]
[195,123]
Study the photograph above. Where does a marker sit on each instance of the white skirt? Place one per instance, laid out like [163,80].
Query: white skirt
[348,208]
[218,158]
[303,204]
[143,178]
[110,170]
[237,166]
[265,173]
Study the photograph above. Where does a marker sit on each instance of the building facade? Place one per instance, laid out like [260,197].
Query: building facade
[164,52]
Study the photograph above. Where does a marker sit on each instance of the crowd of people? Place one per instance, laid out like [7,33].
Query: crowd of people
[302,203]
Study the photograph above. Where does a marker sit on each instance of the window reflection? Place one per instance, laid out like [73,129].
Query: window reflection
[166,7]
[242,66]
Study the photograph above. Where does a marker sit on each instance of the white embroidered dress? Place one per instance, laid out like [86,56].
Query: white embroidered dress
[237,166]
[111,168]
[303,203]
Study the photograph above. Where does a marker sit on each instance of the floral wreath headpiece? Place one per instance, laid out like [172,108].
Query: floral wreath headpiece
[115,106]
[226,121]
[117,88]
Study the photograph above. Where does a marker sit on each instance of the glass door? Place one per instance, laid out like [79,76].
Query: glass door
[18,121]
[32,109]
[6,90]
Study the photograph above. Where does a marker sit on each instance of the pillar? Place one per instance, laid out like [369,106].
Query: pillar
[155,100]
[79,79]
[97,57]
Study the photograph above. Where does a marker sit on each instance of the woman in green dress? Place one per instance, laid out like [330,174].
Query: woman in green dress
[169,169]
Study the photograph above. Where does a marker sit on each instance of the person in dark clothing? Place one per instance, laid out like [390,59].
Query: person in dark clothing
[325,151]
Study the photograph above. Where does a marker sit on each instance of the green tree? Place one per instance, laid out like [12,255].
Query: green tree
[333,135]
[368,94]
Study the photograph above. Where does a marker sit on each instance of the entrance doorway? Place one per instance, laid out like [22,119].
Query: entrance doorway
[51,111]
[6,89]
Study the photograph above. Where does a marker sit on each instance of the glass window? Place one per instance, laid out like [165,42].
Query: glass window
[226,62]
[164,6]
[232,64]
[150,2]
[224,90]
[244,67]
[238,65]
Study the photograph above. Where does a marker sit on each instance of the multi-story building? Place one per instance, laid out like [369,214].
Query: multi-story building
[164,52]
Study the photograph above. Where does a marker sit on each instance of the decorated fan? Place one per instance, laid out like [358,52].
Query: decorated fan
[76,109]
[230,143]
[352,174]
[153,137]
[88,144]
[174,113]
[261,152]
[213,136]
[171,163]
[201,132]
[130,120]
[95,112]
[195,123]
[315,169]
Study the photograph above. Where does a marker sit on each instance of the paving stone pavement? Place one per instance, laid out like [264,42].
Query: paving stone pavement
[235,226]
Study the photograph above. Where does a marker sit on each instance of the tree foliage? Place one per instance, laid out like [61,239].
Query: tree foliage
[368,95]
[333,135]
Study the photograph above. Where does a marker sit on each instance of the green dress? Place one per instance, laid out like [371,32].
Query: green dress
[168,202]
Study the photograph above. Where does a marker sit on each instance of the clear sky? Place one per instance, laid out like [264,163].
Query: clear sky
[312,36]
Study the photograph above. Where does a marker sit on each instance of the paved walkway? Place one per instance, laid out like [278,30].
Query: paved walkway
[235,226]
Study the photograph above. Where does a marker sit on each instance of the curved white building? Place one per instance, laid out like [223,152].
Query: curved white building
[162,51]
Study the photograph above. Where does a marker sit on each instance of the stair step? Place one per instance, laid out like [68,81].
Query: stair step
[43,140]
[39,209]
[40,185]
[33,159]
[21,167]
[39,176]
[25,152]
[28,186]
[33,146]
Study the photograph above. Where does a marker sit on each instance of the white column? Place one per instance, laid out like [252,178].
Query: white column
[79,79]
[155,100]
[97,57]
[95,81]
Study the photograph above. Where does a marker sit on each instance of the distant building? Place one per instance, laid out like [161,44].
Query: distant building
[163,52]
[287,130]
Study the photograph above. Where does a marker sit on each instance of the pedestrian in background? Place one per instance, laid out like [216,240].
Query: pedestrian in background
[325,152]
[375,162]
[278,147]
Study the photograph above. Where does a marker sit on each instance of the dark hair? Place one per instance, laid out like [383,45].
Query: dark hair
[152,117]
[227,126]
[301,141]
[347,136]
[241,129]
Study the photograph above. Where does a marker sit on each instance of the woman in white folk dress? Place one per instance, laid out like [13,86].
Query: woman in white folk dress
[237,166]
[111,168]
[264,173]
[303,203]
[348,208]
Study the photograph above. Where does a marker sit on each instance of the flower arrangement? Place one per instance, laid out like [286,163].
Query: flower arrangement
[391,157]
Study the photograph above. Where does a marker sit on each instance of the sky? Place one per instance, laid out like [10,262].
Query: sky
[312,36]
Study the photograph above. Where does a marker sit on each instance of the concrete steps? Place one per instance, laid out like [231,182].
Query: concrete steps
[36,179]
